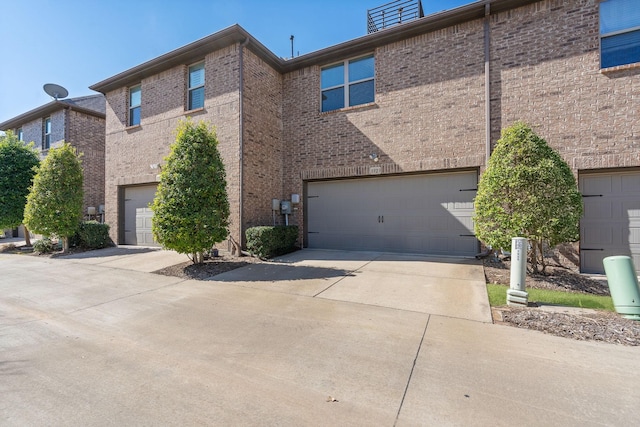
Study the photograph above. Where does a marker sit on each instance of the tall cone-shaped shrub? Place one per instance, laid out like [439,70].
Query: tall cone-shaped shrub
[54,205]
[191,209]
[527,190]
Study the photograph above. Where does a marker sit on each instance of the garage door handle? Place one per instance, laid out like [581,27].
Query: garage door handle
[380,218]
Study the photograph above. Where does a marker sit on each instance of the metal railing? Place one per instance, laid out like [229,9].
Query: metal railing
[393,13]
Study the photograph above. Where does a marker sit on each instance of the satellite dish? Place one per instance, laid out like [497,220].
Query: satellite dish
[55,91]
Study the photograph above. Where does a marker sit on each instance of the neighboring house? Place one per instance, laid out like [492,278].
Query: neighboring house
[384,136]
[78,121]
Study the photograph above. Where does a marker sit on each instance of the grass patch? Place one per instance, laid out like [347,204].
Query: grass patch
[498,296]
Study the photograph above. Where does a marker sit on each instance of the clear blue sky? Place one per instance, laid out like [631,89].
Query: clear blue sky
[76,43]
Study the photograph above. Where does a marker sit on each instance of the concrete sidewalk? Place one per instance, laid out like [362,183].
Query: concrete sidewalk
[93,344]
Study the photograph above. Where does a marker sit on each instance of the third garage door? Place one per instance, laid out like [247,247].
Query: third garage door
[611,221]
[427,214]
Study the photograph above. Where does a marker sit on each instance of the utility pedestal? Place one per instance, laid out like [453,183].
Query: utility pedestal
[516,294]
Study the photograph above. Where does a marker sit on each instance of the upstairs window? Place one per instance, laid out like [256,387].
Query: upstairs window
[348,83]
[20,134]
[46,143]
[135,101]
[196,86]
[619,32]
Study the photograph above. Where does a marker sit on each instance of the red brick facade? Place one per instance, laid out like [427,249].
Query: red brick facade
[429,114]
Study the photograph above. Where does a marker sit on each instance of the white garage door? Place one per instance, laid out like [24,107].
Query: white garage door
[137,215]
[611,222]
[427,214]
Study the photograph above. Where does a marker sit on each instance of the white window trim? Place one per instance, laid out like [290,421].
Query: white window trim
[132,107]
[190,88]
[347,83]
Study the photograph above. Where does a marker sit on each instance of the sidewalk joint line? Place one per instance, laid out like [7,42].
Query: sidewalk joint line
[343,277]
[415,360]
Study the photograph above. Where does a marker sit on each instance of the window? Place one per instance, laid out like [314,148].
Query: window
[196,86]
[135,100]
[20,134]
[46,144]
[348,83]
[619,32]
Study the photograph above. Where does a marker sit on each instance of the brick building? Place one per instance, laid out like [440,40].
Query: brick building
[80,122]
[383,137]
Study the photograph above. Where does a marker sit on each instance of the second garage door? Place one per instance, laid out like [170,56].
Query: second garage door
[137,215]
[426,214]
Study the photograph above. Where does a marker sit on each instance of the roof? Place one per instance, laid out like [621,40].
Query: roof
[94,105]
[196,51]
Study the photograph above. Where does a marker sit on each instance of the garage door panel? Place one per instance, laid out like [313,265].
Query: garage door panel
[629,183]
[597,185]
[416,213]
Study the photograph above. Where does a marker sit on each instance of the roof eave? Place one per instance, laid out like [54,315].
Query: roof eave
[44,111]
[429,23]
[185,55]
[195,51]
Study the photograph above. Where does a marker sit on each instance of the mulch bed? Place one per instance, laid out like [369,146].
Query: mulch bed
[562,274]
[211,267]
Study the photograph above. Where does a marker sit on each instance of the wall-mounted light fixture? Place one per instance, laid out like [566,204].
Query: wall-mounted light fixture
[155,166]
[374,157]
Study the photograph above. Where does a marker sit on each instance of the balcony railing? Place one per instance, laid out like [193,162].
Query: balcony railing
[393,13]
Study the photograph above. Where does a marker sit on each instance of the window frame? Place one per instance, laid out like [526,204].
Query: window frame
[46,129]
[611,35]
[134,107]
[20,134]
[346,84]
[191,89]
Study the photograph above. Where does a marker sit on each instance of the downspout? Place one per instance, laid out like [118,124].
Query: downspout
[241,142]
[66,125]
[487,79]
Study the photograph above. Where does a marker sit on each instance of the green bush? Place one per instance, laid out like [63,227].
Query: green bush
[267,242]
[92,235]
[44,246]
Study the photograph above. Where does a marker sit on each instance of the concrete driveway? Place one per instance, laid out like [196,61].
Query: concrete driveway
[91,343]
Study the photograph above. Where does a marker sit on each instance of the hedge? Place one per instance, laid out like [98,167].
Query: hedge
[268,241]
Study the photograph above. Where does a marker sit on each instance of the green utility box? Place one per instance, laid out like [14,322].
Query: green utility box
[623,284]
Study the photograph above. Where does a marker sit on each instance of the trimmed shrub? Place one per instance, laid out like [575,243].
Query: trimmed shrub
[44,246]
[92,235]
[268,241]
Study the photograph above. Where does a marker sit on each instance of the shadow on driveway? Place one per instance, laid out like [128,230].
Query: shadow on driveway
[276,271]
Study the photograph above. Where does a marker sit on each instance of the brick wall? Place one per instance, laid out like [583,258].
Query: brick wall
[86,134]
[428,113]
[262,151]
[131,150]
[546,71]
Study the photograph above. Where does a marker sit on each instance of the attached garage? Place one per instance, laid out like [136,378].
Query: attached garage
[425,214]
[137,215]
[611,222]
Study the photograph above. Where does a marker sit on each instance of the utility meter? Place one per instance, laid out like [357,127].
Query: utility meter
[285,207]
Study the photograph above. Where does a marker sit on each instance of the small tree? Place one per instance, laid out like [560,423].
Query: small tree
[191,209]
[54,205]
[17,168]
[527,191]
